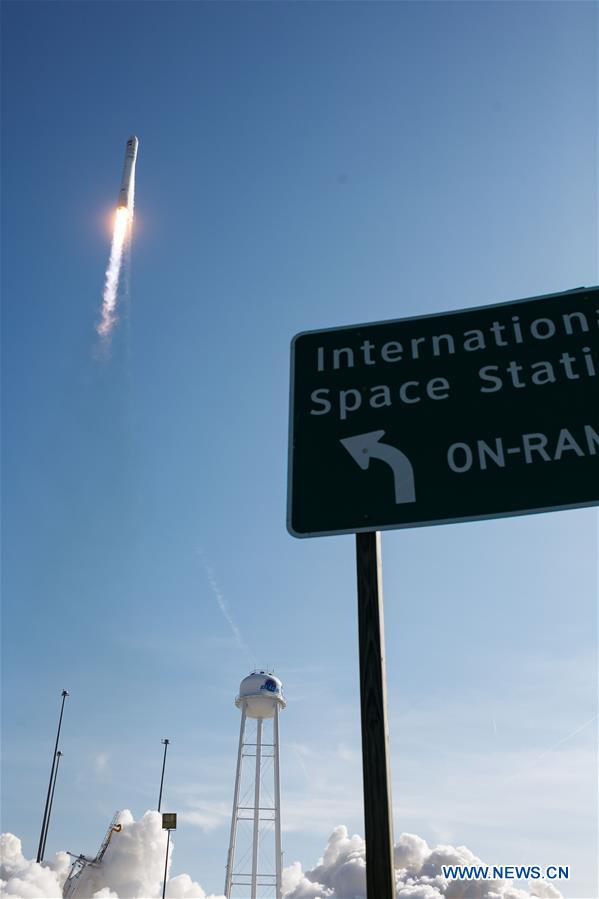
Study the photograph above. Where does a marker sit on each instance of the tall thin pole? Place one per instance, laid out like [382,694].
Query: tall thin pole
[40,848]
[233,837]
[168,840]
[278,851]
[378,819]
[58,757]
[256,809]
[165,742]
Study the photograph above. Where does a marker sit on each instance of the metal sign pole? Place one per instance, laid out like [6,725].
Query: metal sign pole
[169,822]
[378,818]
[168,840]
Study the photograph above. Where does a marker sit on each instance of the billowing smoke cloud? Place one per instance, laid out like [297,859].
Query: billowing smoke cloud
[132,868]
[24,879]
[341,873]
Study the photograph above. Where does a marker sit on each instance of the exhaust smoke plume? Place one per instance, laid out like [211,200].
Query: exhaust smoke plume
[341,873]
[121,241]
[120,237]
[133,867]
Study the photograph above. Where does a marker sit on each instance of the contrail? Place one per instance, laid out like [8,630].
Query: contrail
[224,608]
[121,240]
[551,748]
[567,737]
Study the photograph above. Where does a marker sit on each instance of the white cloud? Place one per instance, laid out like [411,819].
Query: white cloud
[346,754]
[100,762]
[207,815]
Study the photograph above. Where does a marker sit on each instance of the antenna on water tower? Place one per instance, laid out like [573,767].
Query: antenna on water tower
[260,699]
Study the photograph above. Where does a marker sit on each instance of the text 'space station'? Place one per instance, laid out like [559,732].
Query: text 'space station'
[478,413]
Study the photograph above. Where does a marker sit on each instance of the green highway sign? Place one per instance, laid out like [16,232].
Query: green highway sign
[479,413]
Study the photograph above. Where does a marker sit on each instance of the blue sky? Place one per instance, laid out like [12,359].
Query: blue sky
[301,166]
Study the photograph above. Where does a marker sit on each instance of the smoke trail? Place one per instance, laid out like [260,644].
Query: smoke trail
[123,218]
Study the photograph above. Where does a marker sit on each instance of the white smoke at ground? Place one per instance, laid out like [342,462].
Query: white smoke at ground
[132,867]
[21,878]
[121,233]
[341,873]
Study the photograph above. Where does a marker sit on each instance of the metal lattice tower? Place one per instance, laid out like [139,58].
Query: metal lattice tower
[81,861]
[254,860]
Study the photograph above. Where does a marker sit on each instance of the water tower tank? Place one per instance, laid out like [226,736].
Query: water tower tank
[261,691]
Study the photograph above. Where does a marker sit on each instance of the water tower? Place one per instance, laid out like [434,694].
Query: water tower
[254,859]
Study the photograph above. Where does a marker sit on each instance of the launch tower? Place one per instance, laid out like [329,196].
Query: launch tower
[81,861]
[254,859]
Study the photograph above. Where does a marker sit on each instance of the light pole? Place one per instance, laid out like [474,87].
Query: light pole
[165,743]
[58,757]
[40,849]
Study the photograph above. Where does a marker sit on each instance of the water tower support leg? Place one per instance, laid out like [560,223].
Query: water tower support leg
[278,852]
[233,837]
[256,808]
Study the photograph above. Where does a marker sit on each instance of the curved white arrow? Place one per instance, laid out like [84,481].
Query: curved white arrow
[364,447]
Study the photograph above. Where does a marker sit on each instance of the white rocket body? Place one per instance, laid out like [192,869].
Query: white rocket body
[128,179]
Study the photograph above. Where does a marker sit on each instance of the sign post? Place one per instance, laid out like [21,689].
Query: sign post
[169,822]
[480,413]
[378,809]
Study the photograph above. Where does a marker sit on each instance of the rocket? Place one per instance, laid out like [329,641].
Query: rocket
[128,179]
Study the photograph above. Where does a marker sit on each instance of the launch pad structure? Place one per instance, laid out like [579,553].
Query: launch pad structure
[81,862]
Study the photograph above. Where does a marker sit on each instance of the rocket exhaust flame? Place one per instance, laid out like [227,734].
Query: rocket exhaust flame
[121,235]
